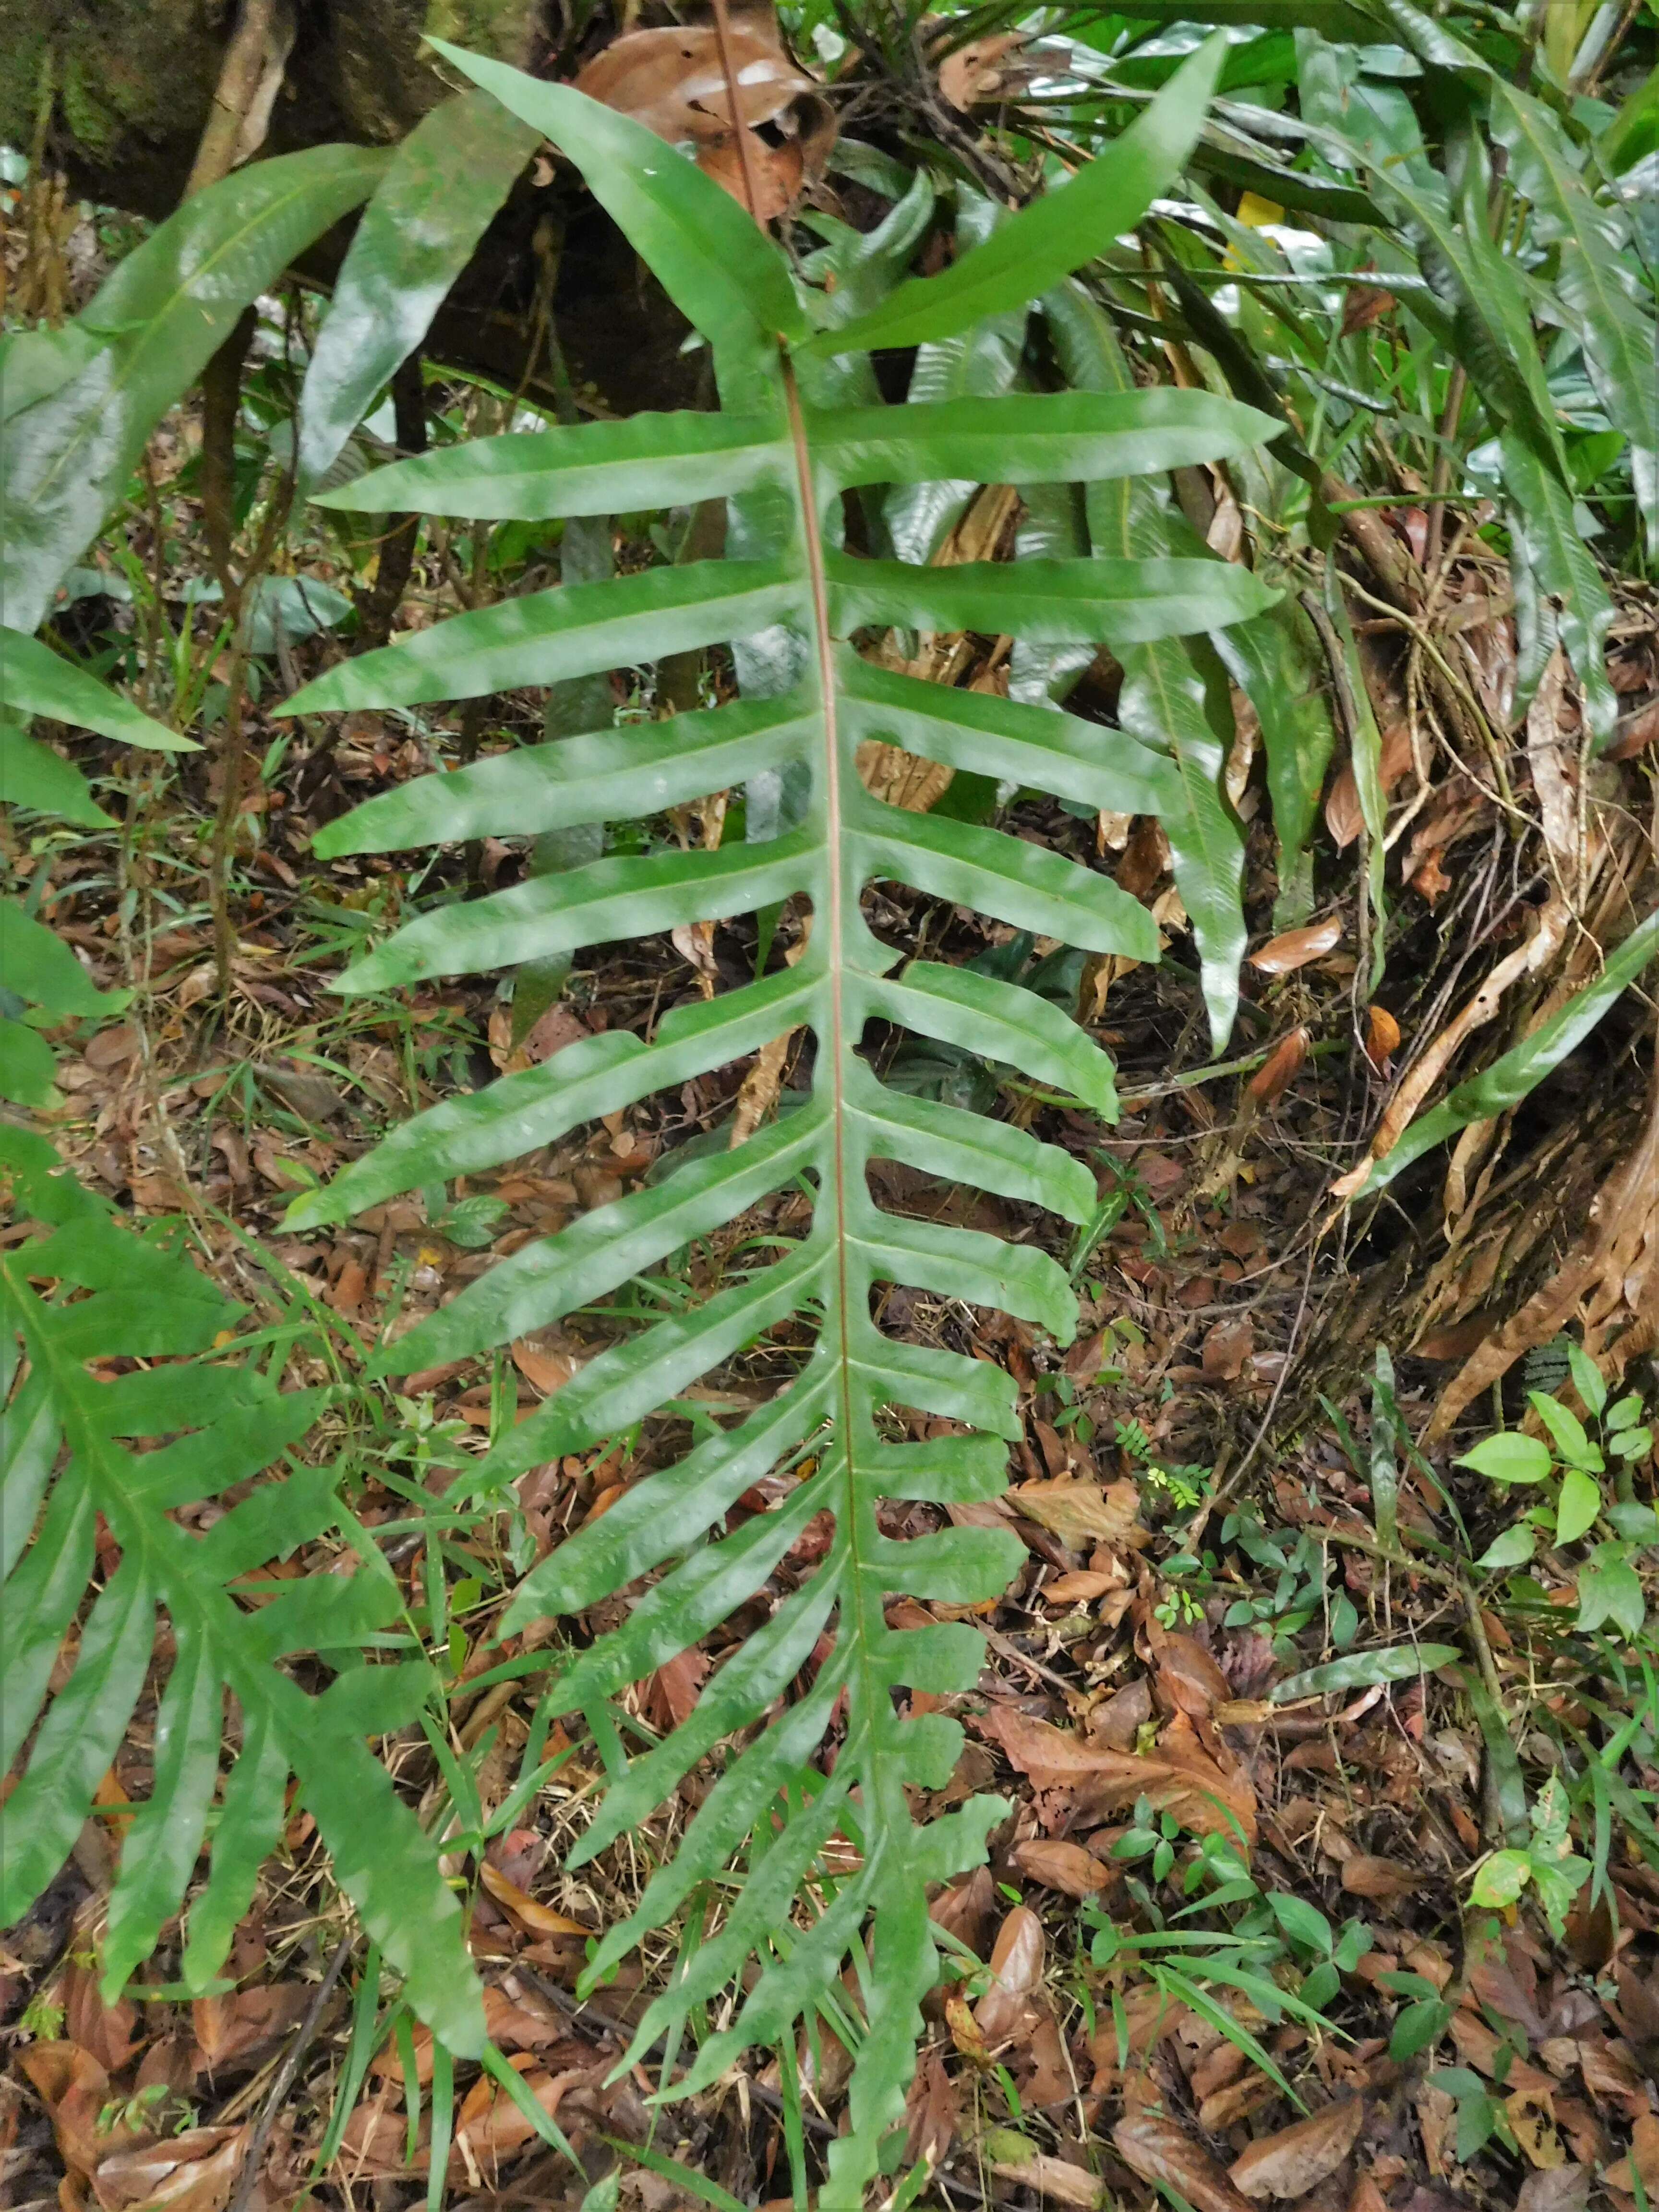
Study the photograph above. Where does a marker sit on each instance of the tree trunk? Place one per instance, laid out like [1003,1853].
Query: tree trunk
[129,89]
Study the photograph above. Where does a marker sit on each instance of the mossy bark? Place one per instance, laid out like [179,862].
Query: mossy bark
[133,80]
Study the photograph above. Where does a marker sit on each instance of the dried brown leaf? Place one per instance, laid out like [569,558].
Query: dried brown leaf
[539,1920]
[1294,948]
[1079,1513]
[1188,1678]
[1381,1038]
[1299,2158]
[1278,1072]
[1162,2152]
[1178,1777]
[1065,1867]
[1081,1588]
[192,2172]
[1227,1344]
[1365,1876]
[1016,1970]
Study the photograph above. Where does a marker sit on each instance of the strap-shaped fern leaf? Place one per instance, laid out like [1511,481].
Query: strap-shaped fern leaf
[90,1290]
[784,461]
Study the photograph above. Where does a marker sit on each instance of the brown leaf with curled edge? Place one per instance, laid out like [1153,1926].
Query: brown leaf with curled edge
[1016,1970]
[1365,1876]
[1079,1513]
[1278,1072]
[1342,816]
[1294,948]
[1065,1867]
[1079,1588]
[1298,2159]
[1189,1680]
[193,2173]
[1227,1344]
[1178,1777]
[1557,2189]
[489,2124]
[1381,1038]
[1162,2152]
[74,2088]
[542,1370]
[932,2113]
[506,2023]
[1642,2159]
[228,2029]
[673,81]
[1055,2179]
[539,1920]
[975,71]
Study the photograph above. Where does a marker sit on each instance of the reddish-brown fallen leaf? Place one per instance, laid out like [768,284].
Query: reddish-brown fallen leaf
[539,1920]
[1016,1970]
[1294,948]
[670,1695]
[1298,2159]
[1559,2189]
[1178,1777]
[1079,1513]
[1364,1876]
[193,2173]
[1227,1344]
[1342,816]
[1189,1680]
[1079,1588]
[74,2088]
[1053,2178]
[544,1370]
[489,2124]
[1641,2158]
[230,2028]
[1065,1867]
[975,71]
[932,2113]
[506,2023]
[1160,2150]
[1278,1072]
[1381,1038]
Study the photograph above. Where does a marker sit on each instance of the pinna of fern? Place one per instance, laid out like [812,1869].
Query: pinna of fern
[783,451]
[87,1289]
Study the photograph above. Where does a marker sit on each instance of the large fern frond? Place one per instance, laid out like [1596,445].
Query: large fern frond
[131,1449]
[786,446]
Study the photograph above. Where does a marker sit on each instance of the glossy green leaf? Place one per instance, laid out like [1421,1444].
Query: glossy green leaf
[1588,1381]
[1055,234]
[35,680]
[1275,661]
[1331,19]
[140,1299]
[38,965]
[714,265]
[1611,1592]
[65,459]
[1512,1549]
[1560,593]
[1175,695]
[1509,1457]
[33,776]
[1362,1670]
[427,214]
[1524,1067]
[1567,1430]
[1579,1506]
[1500,1879]
[1597,277]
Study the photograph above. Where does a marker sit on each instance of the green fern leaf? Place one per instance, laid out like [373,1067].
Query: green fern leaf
[120,1296]
[784,450]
